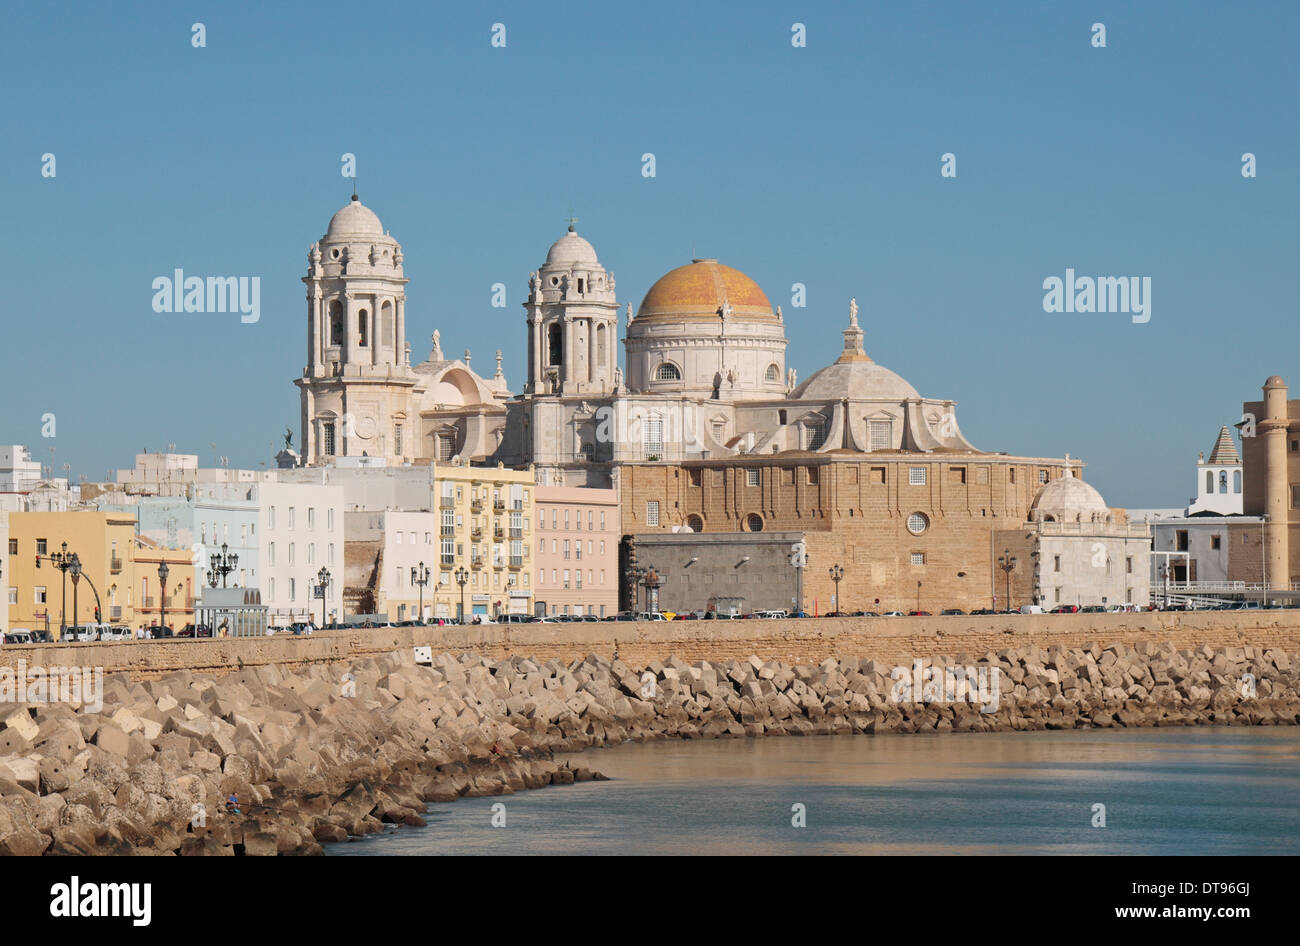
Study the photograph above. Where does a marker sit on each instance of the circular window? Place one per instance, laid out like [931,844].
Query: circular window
[335,254]
[917,523]
[754,522]
[555,280]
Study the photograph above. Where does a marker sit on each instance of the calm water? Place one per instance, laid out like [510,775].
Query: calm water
[1166,791]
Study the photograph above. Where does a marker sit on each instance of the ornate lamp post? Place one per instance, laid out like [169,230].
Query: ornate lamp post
[163,571]
[323,583]
[462,578]
[75,567]
[420,576]
[221,564]
[837,574]
[1007,562]
[62,561]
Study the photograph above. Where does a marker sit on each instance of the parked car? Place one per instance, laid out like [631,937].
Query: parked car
[115,632]
[1030,609]
[1065,609]
[836,614]
[919,614]
[81,633]
[1092,609]
[952,611]
[984,611]
[16,635]
[769,615]
[42,636]
[651,616]
[892,614]
[157,631]
[865,614]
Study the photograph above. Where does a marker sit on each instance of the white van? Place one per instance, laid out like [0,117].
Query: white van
[1032,609]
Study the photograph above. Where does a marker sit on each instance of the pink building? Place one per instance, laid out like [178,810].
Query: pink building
[577,550]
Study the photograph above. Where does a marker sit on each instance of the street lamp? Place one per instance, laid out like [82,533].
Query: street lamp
[322,582]
[221,564]
[462,578]
[837,574]
[62,561]
[420,576]
[918,596]
[163,571]
[1007,562]
[75,568]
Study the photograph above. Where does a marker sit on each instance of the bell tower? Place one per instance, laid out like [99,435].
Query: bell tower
[572,315]
[357,383]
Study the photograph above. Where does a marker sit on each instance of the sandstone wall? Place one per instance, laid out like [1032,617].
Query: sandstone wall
[892,640]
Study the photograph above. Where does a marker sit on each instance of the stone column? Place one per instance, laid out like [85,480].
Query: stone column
[315,351]
[567,373]
[400,339]
[375,329]
[349,329]
[1276,500]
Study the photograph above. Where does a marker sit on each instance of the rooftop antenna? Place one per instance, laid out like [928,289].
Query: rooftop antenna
[354,189]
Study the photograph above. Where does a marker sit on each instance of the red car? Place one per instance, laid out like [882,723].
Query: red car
[1065,609]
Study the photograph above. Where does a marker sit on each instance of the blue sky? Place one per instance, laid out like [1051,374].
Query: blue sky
[817,165]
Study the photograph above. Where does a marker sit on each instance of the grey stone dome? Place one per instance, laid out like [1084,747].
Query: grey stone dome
[856,380]
[1069,499]
[571,249]
[355,219]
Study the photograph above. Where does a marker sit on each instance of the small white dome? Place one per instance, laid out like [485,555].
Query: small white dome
[859,380]
[1069,499]
[570,249]
[355,219]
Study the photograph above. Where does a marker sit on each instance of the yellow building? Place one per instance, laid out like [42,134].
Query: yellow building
[116,576]
[41,595]
[478,530]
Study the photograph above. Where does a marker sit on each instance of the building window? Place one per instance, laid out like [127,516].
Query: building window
[602,522]
[290,553]
[667,372]
[293,590]
[566,548]
[1236,481]
[1128,562]
[651,513]
[291,518]
[1042,476]
[40,594]
[328,428]
[754,522]
[397,439]
[270,553]
[1223,481]
[446,447]
[329,520]
[13,546]
[1056,563]
[13,595]
[41,546]
[1215,541]
[957,475]
[311,517]
[882,434]
[918,558]
[1295,497]
[653,437]
[1012,474]
[772,374]
[694,477]
[812,476]
[751,477]
[1209,481]
[1180,540]
[917,523]
[916,476]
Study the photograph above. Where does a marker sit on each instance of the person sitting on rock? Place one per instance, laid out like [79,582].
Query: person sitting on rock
[232,804]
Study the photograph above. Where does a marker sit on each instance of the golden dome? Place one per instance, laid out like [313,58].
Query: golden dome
[698,291]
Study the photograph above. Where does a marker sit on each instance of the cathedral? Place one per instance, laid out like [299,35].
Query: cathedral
[705,375]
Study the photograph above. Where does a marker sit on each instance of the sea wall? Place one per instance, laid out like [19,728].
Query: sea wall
[321,753]
[812,640]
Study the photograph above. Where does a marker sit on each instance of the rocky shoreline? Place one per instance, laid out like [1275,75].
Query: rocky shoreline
[332,752]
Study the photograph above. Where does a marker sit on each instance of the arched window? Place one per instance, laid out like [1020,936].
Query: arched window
[554,345]
[600,344]
[1223,481]
[386,324]
[773,373]
[667,372]
[336,322]
[1236,481]
[1209,481]
[363,328]
[695,523]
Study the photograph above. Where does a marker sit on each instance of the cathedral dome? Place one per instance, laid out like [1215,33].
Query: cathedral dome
[1068,499]
[698,292]
[355,219]
[856,380]
[570,250]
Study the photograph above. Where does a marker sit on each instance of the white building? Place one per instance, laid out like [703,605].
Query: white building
[301,533]
[19,473]
[1218,479]
[392,550]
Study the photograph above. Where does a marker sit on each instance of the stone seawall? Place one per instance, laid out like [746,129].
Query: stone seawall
[318,754]
[889,640]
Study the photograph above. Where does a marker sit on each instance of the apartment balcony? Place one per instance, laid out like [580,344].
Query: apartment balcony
[115,565]
[516,562]
[516,533]
[499,505]
[476,505]
[448,532]
[448,559]
[447,502]
[476,532]
[499,532]
[476,562]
